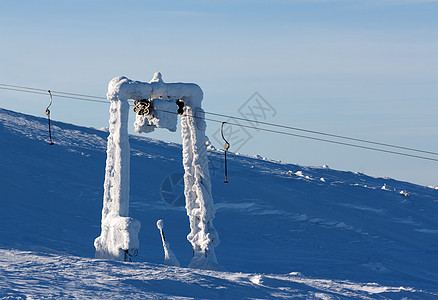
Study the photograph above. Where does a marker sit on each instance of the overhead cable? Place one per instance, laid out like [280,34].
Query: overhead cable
[314,138]
[89,98]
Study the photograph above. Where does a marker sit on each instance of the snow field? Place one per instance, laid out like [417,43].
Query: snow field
[281,235]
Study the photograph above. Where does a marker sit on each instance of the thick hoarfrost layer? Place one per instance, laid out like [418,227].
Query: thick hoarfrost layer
[119,234]
[197,190]
[119,238]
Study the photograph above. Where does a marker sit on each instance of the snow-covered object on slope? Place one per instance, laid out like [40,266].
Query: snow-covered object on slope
[197,185]
[119,235]
[169,257]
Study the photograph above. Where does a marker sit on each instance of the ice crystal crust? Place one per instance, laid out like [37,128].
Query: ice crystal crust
[119,233]
[197,187]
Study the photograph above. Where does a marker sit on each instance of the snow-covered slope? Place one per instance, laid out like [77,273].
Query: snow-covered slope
[286,230]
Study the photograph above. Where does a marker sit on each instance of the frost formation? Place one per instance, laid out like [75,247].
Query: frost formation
[119,235]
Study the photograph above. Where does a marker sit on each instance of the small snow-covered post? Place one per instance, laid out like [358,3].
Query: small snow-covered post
[169,257]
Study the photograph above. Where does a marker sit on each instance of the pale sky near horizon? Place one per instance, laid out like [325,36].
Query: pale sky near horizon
[366,69]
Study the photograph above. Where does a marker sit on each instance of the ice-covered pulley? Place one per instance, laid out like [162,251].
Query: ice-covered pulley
[142,107]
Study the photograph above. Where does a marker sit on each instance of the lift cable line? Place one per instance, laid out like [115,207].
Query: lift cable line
[323,133]
[55,94]
[310,138]
[25,91]
[85,98]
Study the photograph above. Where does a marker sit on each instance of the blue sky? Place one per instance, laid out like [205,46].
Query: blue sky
[366,69]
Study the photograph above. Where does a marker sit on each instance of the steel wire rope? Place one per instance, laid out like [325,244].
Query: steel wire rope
[81,97]
[309,137]
[37,91]
[53,91]
[324,133]
[65,95]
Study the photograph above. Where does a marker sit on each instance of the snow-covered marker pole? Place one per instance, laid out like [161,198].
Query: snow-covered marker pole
[169,257]
[158,105]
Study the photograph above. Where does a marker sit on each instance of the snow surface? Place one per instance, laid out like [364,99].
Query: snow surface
[282,236]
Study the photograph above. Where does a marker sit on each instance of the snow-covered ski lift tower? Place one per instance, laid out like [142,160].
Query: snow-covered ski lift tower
[119,236]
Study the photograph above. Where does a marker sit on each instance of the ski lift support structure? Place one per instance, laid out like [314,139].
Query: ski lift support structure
[157,105]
